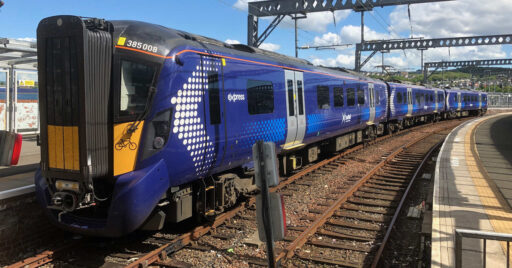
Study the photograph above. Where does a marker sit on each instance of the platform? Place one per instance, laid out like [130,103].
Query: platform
[19,179]
[473,182]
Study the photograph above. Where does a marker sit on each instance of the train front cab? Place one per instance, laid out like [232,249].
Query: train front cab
[94,106]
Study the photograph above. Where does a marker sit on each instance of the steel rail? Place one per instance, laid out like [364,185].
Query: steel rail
[378,255]
[304,236]
[40,259]
[160,254]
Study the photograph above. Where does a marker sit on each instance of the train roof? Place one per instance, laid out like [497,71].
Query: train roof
[167,39]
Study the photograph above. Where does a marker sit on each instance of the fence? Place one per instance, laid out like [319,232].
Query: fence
[499,100]
[460,233]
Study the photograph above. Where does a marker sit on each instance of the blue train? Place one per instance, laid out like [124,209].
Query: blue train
[141,124]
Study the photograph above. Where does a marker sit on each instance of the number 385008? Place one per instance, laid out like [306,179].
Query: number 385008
[143,46]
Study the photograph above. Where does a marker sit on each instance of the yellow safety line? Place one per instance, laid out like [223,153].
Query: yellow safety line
[495,205]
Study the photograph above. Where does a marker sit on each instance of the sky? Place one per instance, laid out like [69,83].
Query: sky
[226,20]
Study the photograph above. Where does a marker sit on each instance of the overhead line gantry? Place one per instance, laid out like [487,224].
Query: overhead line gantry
[298,9]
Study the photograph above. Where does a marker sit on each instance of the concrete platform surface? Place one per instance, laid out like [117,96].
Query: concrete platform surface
[21,175]
[466,196]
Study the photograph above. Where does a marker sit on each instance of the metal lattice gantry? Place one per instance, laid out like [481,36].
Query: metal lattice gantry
[466,63]
[282,8]
[424,44]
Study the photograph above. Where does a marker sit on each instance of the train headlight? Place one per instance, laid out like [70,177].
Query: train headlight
[158,142]
[62,185]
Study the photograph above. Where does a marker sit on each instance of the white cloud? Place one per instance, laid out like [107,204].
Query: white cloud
[317,21]
[432,20]
[327,39]
[242,4]
[232,41]
[352,34]
[342,60]
[265,46]
[454,18]
[270,46]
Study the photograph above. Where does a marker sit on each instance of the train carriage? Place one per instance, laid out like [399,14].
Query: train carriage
[174,121]
[142,124]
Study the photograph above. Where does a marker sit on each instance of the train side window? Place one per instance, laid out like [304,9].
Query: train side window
[322,93]
[300,96]
[377,97]
[351,97]
[360,97]
[291,104]
[260,97]
[214,97]
[399,97]
[338,96]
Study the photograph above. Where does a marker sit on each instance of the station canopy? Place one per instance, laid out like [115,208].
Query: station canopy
[19,54]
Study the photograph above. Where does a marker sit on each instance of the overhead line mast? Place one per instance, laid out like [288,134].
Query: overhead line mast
[293,8]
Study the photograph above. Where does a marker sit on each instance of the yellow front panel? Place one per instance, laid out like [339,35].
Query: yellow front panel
[59,150]
[51,147]
[68,147]
[125,147]
[63,149]
[76,149]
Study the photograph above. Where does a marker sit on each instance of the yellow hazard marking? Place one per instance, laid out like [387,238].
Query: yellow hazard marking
[495,205]
[223,62]
[121,40]
[125,147]
[63,148]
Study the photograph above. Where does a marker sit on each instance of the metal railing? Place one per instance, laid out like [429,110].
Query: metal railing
[499,100]
[460,233]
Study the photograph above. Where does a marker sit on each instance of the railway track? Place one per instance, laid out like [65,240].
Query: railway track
[343,220]
[357,223]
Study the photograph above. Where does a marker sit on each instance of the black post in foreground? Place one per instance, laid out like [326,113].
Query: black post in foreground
[266,204]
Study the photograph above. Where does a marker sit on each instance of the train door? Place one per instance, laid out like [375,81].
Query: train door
[295,108]
[479,100]
[409,101]
[4,97]
[436,101]
[459,104]
[371,92]
[213,147]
